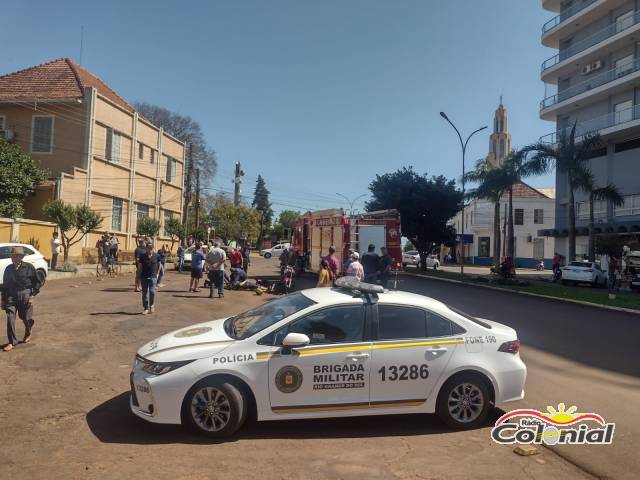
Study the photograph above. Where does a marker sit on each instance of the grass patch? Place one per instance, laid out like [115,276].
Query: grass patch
[583,293]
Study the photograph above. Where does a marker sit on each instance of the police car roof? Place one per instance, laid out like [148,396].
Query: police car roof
[330,296]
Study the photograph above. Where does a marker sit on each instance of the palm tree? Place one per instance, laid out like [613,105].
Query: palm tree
[608,193]
[516,167]
[570,158]
[492,186]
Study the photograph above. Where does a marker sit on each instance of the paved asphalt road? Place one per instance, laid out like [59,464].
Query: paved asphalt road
[583,356]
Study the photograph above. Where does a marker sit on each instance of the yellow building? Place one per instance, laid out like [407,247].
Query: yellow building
[98,150]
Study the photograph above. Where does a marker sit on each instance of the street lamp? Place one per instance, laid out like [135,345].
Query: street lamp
[464,149]
[351,202]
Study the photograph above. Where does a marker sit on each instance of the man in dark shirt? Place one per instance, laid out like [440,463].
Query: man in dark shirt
[149,266]
[371,264]
[386,262]
[19,285]
[139,251]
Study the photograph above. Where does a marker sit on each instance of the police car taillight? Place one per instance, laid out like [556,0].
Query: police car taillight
[510,347]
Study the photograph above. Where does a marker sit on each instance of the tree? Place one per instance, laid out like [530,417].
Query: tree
[425,205]
[68,217]
[493,183]
[187,130]
[175,229]
[19,175]
[409,246]
[148,227]
[608,193]
[570,159]
[234,220]
[262,204]
[286,221]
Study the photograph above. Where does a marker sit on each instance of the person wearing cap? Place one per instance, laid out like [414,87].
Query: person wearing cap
[149,269]
[355,267]
[215,264]
[20,284]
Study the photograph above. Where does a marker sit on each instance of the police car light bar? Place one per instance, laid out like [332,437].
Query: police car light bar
[352,283]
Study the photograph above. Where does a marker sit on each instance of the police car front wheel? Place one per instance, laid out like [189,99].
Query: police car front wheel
[214,408]
[464,402]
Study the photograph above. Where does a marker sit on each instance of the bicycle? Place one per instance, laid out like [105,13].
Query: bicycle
[108,268]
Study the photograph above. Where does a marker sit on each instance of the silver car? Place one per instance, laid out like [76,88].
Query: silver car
[412,257]
[584,272]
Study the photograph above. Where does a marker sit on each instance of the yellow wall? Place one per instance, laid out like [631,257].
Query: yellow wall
[34,202]
[110,179]
[170,197]
[5,231]
[114,117]
[147,135]
[74,188]
[172,148]
[145,190]
[42,234]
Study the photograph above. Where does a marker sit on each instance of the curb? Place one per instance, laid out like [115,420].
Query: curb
[565,300]
[82,273]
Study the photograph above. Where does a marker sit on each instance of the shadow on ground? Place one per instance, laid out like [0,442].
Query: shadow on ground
[113,422]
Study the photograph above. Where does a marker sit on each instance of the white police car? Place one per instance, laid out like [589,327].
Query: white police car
[354,350]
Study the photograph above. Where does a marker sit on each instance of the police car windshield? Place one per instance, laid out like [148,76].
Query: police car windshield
[253,321]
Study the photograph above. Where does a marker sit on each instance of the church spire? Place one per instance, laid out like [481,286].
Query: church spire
[500,139]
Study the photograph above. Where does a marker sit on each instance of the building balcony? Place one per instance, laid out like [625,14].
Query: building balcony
[610,38]
[574,16]
[551,5]
[606,125]
[594,88]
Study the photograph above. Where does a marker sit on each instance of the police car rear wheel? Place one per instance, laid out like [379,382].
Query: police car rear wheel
[213,408]
[463,402]
[267,255]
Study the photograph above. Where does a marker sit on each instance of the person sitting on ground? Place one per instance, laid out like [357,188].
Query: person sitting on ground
[325,275]
[355,267]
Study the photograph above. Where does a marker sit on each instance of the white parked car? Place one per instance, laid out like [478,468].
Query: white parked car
[584,272]
[31,255]
[274,251]
[412,257]
[329,352]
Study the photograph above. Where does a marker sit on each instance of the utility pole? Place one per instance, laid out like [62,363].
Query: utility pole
[187,187]
[236,182]
[197,198]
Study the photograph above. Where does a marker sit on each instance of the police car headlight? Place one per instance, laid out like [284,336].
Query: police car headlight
[160,368]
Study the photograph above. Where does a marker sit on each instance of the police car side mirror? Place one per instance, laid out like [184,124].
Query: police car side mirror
[293,340]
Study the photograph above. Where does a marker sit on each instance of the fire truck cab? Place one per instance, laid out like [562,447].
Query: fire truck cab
[316,231]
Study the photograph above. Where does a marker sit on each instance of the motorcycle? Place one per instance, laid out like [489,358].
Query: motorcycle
[540,266]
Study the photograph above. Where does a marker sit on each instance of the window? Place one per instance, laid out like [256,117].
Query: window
[401,322]
[623,112]
[1,122]
[141,212]
[333,325]
[538,215]
[599,209]
[112,145]
[438,326]
[28,251]
[152,156]
[502,148]
[518,216]
[484,246]
[116,214]
[624,65]
[631,206]
[167,216]
[140,151]
[624,21]
[41,134]
[171,170]
[5,252]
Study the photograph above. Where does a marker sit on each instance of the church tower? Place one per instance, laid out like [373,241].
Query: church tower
[500,139]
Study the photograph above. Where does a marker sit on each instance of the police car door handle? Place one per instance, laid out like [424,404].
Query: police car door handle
[437,349]
[356,356]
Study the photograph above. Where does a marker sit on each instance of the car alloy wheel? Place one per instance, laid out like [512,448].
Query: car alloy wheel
[267,255]
[465,402]
[210,409]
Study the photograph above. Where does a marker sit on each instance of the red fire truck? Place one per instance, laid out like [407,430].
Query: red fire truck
[316,231]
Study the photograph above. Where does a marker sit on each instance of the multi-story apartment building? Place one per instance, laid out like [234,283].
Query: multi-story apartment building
[595,80]
[98,150]
[533,210]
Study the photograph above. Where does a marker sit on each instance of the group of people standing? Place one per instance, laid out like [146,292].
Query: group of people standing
[371,268]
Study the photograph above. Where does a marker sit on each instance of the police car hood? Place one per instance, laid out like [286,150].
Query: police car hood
[193,342]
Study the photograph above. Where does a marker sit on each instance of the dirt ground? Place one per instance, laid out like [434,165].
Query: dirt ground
[64,407]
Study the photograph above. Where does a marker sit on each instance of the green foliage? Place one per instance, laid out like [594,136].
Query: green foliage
[286,220]
[261,201]
[148,227]
[409,246]
[425,204]
[34,241]
[233,220]
[200,233]
[67,267]
[174,229]
[19,175]
[68,217]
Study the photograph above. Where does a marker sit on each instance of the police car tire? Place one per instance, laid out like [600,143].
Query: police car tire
[237,413]
[441,405]
[267,255]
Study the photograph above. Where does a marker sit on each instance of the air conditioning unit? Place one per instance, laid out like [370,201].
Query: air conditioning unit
[586,69]
[597,65]
[7,135]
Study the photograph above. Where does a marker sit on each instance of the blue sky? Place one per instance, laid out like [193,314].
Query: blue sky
[317,96]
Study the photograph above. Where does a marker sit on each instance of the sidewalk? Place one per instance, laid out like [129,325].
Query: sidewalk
[85,271]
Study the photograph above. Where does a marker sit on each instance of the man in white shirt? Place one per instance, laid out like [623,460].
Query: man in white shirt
[56,249]
[215,263]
